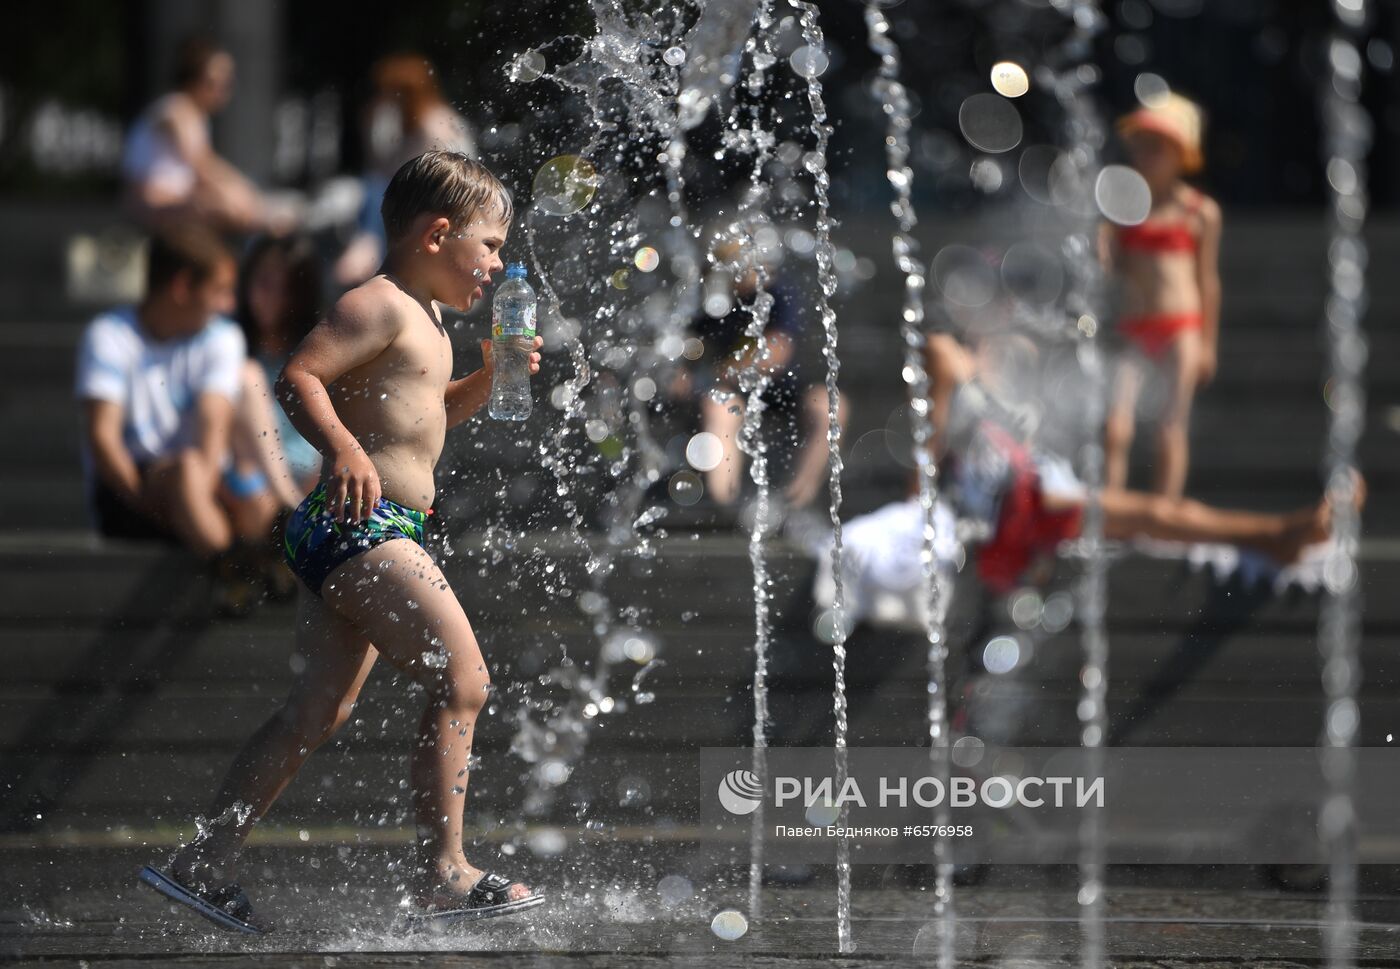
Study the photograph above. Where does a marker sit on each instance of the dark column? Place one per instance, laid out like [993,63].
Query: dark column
[245,130]
[251,31]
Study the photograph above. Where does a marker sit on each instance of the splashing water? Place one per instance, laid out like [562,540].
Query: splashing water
[826,273]
[1347,130]
[895,101]
[1068,74]
[617,52]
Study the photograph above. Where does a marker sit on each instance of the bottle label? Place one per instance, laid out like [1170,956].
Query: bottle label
[513,321]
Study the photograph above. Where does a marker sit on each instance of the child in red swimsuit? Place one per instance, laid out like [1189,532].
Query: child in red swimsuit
[1168,266]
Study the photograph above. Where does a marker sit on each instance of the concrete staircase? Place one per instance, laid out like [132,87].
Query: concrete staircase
[124,701]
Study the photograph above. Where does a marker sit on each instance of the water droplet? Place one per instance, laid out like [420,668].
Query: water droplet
[964,276]
[647,259]
[675,56]
[675,889]
[729,925]
[704,451]
[809,61]
[986,175]
[990,122]
[968,751]
[685,488]
[1122,195]
[1001,655]
[1009,79]
[565,185]
[529,66]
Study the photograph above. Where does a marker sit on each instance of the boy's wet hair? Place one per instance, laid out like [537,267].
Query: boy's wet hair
[445,183]
[191,248]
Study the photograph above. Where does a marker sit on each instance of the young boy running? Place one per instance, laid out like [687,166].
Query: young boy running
[370,387]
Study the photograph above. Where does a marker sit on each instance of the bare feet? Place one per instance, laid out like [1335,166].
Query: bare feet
[1309,526]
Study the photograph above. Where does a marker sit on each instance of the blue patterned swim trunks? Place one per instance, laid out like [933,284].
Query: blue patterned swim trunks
[316,544]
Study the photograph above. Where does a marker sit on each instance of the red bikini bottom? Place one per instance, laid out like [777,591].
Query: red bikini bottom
[1155,333]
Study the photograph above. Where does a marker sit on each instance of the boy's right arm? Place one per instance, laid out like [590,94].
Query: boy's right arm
[357,330]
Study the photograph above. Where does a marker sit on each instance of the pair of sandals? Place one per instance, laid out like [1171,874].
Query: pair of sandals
[229,908]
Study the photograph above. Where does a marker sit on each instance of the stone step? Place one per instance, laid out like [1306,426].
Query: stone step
[85,662]
[1259,349]
[685,714]
[340,782]
[360,778]
[703,581]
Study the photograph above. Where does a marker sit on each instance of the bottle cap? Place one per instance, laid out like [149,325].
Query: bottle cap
[515,270]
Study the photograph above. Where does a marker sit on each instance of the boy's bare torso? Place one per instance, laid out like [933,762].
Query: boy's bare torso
[395,405]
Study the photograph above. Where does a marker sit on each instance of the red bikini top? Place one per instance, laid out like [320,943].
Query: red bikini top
[1162,237]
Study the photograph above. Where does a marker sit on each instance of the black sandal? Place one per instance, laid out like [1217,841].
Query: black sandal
[489,897]
[226,906]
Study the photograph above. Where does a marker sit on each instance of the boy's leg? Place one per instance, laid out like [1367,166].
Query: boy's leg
[1173,444]
[398,598]
[1122,416]
[335,659]
[724,421]
[182,489]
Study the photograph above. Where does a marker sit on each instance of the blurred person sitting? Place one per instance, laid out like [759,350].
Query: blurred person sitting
[159,383]
[171,172]
[279,301]
[794,400]
[1168,267]
[406,116]
[985,433]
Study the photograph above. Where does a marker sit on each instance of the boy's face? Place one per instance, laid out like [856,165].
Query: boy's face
[470,255]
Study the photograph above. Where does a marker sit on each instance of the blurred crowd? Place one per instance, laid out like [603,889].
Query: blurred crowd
[185,442]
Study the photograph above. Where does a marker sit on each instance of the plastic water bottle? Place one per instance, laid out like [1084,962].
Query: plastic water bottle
[512,342]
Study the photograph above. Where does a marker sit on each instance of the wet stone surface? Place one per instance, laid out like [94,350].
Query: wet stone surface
[336,906]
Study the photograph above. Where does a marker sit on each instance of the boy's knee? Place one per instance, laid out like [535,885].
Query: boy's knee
[313,723]
[464,695]
[1159,508]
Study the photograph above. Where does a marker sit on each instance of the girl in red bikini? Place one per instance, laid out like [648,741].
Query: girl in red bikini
[1168,268]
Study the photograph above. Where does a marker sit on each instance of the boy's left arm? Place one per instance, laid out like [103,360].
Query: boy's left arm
[468,395]
[1208,275]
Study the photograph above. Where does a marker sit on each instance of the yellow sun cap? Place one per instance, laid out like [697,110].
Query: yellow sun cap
[1173,117]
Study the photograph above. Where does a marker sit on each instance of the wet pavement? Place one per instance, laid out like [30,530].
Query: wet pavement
[630,904]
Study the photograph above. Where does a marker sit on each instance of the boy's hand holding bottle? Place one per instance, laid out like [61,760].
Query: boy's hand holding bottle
[513,341]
